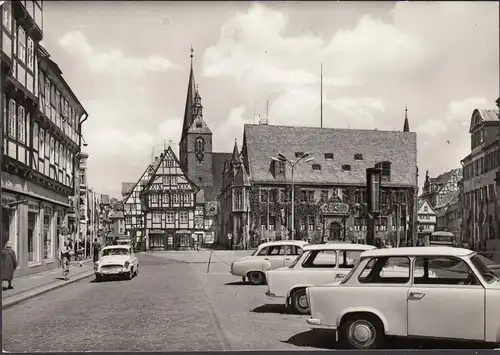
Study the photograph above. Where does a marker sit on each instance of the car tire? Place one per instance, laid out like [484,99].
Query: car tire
[362,332]
[256,278]
[99,278]
[243,279]
[130,275]
[299,301]
[137,271]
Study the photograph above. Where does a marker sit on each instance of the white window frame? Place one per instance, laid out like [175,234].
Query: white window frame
[165,198]
[154,197]
[7,16]
[47,145]
[52,148]
[41,149]
[156,217]
[12,119]
[30,54]
[21,124]
[176,198]
[4,116]
[181,214]
[21,42]
[187,198]
[170,217]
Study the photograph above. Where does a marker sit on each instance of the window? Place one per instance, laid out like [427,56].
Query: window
[4,117]
[41,148]
[156,217]
[183,217]
[58,102]
[52,150]
[30,58]
[176,198]
[276,250]
[7,16]
[21,41]
[47,145]
[170,216]
[324,196]
[307,196]
[21,122]
[12,119]
[58,153]
[47,94]
[442,270]
[165,199]
[187,198]
[154,197]
[299,154]
[128,220]
[346,167]
[263,251]
[349,258]
[316,166]
[292,250]
[264,195]
[320,259]
[358,156]
[32,232]
[199,144]
[329,156]
[387,270]
[47,233]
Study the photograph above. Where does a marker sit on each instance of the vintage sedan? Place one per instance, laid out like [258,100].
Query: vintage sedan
[116,260]
[460,300]
[319,264]
[267,256]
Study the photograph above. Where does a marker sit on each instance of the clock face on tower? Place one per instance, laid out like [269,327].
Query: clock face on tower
[199,156]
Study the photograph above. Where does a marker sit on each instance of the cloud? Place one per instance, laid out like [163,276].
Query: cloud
[231,129]
[458,111]
[359,113]
[111,60]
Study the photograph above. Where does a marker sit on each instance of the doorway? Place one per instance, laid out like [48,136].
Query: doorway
[335,231]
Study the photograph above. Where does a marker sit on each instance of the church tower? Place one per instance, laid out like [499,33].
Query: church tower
[195,148]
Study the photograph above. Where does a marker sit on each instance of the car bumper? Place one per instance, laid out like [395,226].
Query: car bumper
[316,323]
[273,295]
[112,273]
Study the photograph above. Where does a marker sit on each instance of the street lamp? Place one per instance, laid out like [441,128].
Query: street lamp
[292,163]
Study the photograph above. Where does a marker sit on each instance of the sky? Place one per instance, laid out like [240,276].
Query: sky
[128,63]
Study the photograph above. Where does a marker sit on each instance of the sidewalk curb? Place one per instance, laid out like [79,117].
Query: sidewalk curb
[6,303]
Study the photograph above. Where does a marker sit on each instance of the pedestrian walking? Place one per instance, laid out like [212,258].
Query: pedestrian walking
[65,258]
[9,265]
[97,250]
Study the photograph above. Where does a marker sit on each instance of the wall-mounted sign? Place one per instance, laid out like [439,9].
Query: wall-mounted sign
[335,208]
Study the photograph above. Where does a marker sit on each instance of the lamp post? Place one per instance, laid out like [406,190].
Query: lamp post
[292,163]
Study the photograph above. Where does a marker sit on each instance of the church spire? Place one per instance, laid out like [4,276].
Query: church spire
[191,91]
[235,159]
[406,126]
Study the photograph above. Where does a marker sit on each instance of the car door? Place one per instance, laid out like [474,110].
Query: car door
[320,267]
[445,305]
[276,256]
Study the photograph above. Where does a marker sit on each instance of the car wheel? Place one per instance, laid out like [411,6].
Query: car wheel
[137,271]
[362,332]
[299,301]
[243,280]
[256,278]
[130,275]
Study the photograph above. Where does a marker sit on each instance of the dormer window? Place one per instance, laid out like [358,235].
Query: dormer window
[299,154]
[385,166]
[316,166]
[358,156]
[329,156]
[346,167]
[199,124]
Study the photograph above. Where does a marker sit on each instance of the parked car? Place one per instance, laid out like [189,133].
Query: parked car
[267,256]
[116,260]
[460,301]
[319,264]
[493,266]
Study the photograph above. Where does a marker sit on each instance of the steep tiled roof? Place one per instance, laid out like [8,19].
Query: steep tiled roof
[127,187]
[448,199]
[115,215]
[441,179]
[218,160]
[199,126]
[266,141]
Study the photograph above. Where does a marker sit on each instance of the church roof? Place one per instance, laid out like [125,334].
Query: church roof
[199,126]
[188,110]
[266,141]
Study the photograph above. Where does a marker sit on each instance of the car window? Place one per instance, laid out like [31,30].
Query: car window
[263,251]
[115,251]
[483,265]
[290,250]
[349,258]
[275,250]
[442,270]
[387,270]
[321,259]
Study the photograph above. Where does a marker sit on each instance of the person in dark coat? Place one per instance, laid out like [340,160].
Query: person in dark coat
[97,249]
[9,265]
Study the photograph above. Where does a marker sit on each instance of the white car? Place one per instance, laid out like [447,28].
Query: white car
[116,260]
[460,300]
[267,256]
[319,264]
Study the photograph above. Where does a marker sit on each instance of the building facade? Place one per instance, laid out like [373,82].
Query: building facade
[330,194]
[480,190]
[435,189]
[449,216]
[117,222]
[427,219]
[41,138]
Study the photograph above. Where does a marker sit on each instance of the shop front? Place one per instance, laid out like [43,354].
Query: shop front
[32,223]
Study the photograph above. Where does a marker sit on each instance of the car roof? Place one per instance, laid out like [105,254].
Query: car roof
[418,251]
[299,243]
[338,246]
[117,247]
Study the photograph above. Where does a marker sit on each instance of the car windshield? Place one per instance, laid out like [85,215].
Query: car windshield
[115,251]
[485,272]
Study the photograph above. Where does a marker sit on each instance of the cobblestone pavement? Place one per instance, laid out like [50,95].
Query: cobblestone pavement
[174,304]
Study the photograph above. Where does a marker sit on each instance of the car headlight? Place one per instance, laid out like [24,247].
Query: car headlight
[127,264]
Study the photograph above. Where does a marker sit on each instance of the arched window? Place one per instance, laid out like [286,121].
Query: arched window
[199,144]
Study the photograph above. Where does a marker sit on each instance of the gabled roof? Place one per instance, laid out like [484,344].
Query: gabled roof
[199,126]
[482,115]
[188,110]
[448,199]
[145,175]
[422,202]
[265,141]
[167,153]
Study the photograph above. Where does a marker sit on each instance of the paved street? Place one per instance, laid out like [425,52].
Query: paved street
[172,305]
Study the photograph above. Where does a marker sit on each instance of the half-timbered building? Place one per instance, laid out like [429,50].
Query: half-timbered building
[169,199]
[330,191]
[42,120]
[435,189]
